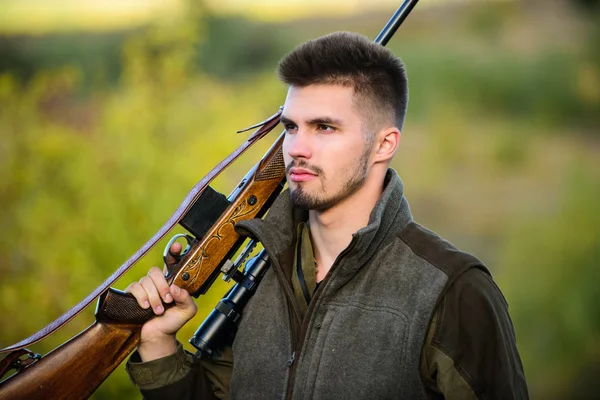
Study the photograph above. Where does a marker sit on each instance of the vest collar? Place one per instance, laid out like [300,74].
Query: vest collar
[278,230]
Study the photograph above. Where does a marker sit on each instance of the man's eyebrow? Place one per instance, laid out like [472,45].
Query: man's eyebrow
[325,121]
[315,121]
[285,120]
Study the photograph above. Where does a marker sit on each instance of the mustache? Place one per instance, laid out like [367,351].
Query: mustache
[303,164]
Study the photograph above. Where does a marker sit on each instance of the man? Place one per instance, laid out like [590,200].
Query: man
[360,302]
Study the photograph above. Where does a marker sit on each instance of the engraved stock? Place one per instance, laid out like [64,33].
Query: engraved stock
[250,200]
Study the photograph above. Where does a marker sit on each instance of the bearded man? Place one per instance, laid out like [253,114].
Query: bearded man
[360,302]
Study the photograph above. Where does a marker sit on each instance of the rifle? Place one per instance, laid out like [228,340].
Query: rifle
[75,369]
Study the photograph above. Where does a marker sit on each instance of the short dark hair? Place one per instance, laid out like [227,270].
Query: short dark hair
[350,59]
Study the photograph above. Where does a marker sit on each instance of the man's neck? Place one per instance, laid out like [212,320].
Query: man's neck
[331,230]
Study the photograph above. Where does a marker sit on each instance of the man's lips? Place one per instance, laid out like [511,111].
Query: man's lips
[301,175]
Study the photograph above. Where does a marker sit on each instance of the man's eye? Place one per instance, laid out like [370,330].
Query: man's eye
[289,127]
[323,127]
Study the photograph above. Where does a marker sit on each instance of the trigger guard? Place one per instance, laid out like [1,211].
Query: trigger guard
[189,239]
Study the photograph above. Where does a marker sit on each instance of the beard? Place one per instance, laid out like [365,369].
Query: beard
[323,201]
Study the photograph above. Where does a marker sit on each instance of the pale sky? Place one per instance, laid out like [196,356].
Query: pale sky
[41,16]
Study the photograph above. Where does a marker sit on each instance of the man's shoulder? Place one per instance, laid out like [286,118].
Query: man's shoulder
[473,341]
[468,281]
[438,252]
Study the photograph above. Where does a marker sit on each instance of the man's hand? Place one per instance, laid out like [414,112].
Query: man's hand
[158,334]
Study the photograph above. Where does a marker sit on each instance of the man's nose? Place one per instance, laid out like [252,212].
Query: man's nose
[298,145]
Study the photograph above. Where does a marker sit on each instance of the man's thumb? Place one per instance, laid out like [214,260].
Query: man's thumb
[181,296]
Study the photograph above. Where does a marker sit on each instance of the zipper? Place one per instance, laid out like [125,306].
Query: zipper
[291,360]
[294,309]
[299,271]
[312,305]
[298,340]
[289,294]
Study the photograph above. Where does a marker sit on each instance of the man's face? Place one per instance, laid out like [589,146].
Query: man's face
[325,150]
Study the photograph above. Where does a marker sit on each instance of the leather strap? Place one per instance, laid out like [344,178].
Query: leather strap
[265,127]
[14,361]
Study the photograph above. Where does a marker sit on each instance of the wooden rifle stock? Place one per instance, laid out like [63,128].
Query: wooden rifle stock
[75,369]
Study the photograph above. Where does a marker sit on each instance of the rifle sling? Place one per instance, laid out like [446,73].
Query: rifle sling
[265,127]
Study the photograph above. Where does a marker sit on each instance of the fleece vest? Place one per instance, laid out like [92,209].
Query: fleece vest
[364,330]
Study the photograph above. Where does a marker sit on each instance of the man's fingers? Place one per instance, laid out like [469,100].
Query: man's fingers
[139,293]
[174,251]
[182,297]
[175,248]
[161,284]
[153,296]
[153,289]
[184,303]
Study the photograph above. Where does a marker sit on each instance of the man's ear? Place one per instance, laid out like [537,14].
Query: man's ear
[388,141]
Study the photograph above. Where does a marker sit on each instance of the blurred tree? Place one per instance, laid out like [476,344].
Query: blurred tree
[551,280]
[231,48]
[237,47]
[88,175]
[95,54]
[588,4]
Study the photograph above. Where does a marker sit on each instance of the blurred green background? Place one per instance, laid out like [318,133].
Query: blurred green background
[111,111]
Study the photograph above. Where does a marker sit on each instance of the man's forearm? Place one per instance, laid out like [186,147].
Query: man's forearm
[157,348]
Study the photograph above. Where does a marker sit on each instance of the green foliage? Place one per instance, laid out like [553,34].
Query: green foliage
[96,54]
[547,87]
[499,154]
[237,47]
[88,181]
[551,281]
[234,48]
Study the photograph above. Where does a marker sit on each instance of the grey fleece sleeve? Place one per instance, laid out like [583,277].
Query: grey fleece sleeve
[471,350]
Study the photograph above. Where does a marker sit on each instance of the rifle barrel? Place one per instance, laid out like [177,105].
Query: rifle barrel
[390,28]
